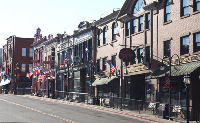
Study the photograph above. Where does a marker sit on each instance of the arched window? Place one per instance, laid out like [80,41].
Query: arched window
[104,35]
[138,6]
[114,31]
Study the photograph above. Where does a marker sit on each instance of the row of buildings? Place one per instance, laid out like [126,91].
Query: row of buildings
[137,40]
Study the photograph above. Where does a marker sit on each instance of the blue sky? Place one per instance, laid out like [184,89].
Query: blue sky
[23,17]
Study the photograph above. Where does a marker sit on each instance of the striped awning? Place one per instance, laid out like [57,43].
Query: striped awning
[177,70]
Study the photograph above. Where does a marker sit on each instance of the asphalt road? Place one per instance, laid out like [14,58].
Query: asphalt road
[21,109]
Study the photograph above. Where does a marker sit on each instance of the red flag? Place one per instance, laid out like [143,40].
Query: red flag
[63,64]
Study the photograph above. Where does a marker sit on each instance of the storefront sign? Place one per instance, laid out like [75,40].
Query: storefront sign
[126,54]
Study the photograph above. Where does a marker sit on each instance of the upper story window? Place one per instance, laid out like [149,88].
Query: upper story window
[184,7]
[134,26]
[23,51]
[114,31]
[196,5]
[197,42]
[98,65]
[99,37]
[184,45]
[141,25]
[138,6]
[31,52]
[167,49]
[104,64]
[148,19]
[104,35]
[167,14]
[127,27]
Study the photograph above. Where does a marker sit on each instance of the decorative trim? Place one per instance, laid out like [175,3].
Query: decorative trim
[185,34]
[168,22]
[185,16]
[196,12]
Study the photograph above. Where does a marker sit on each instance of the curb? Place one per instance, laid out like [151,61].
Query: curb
[125,113]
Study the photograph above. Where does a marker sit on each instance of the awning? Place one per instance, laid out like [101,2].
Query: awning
[103,81]
[138,72]
[5,82]
[177,70]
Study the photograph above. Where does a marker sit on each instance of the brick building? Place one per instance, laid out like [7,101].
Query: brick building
[109,37]
[17,60]
[162,32]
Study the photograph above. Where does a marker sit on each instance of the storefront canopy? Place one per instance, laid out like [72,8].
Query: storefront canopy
[177,70]
[4,82]
[103,81]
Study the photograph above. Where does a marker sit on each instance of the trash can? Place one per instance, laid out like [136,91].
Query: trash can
[96,101]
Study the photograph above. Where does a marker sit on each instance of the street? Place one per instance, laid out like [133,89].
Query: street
[21,109]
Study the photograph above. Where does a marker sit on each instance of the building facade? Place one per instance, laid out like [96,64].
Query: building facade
[163,32]
[17,61]
[83,58]
[108,41]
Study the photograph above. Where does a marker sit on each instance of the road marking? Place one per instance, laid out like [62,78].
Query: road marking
[36,110]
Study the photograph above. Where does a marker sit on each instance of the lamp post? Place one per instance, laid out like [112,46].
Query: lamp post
[187,83]
[170,64]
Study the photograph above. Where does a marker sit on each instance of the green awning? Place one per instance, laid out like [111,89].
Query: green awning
[103,81]
[177,70]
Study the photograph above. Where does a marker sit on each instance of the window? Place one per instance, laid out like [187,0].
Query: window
[76,50]
[30,67]
[134,26]
[167,16]
[23,51]
[31,52]
[184,7]
[138,6]
[197,42]
[135,58]
[23,67]
[140,55]
[98,65]
[113,60]
[196,5]
[99,37]
[104,64]
[167,51]
[184,45]
[148,54]
[141,25]
[127,27]
[148,18]
[104,35]
[114,31]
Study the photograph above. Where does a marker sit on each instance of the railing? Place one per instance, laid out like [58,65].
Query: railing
[177,112]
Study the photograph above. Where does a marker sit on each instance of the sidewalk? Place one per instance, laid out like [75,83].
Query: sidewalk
[126,113]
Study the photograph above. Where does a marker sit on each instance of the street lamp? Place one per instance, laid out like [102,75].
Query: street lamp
[170,64]
[187,83]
